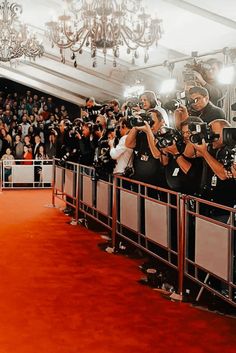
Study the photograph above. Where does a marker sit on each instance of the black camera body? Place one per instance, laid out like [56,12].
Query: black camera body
[200,131]
[227,157]
[139,120]
[229,136]
[172,105]
[167,136]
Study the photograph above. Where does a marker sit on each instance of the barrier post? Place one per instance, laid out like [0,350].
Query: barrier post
[181,210]
[53,182]
[77,194]
[114,212]
[1,176]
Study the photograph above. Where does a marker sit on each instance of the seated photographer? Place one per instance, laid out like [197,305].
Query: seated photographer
[207,78]
[147,165]
[215,184]
[121,153]
[183,170]
[201,105]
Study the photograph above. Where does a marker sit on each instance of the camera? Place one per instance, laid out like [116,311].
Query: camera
[229,136]
[200,131]
[166,136]
[107,110]
[103,163]
[139,119]
[133,102]
[53,126]
[227,157]
[172,105]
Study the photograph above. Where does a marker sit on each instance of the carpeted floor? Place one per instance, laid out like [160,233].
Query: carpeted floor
[60,293]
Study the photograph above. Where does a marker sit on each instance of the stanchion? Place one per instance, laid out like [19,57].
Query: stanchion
[181,248]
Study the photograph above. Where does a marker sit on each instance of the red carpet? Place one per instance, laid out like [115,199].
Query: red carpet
[60,293]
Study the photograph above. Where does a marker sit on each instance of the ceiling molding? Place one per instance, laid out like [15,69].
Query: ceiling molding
[204,13]
[47,87]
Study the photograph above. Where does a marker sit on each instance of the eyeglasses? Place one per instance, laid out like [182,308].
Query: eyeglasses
[195,100]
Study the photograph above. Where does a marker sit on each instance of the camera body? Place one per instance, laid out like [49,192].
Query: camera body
[227,157]
[139,119]
[172,104]
[229,136]
[167,136]
[200,131]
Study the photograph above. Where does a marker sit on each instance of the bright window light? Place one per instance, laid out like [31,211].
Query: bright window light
[133,91]
[168,86]
[226,75]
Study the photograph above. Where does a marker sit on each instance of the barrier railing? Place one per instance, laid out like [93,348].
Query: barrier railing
[169,226]
[26,174]
[147,216]
[211,247]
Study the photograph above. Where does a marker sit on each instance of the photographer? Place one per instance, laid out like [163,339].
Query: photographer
[91,110]
[85,144]
[200,103]
[215,185]
[121,153]
[207,77]
[147,165]
[184,169]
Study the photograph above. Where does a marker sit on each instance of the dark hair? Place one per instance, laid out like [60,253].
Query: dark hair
[124,122]
[197,89]
[191,119]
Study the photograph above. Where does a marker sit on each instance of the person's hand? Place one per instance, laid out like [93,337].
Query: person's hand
[145,128]
[201,149]
[78,136]
[172,149]
[180,115]
[111,142]
[198,77]
[84,113]
[233,170]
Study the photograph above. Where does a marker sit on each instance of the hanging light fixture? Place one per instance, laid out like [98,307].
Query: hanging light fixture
[105,25]
[15,40]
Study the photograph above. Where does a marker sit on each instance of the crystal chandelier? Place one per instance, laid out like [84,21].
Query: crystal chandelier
[15,40]
[105,25]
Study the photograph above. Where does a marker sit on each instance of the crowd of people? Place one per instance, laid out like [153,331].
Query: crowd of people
[186,154]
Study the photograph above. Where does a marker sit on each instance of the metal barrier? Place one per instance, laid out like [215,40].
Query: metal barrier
[26,174]
[148,217]
[210,251]
[169,226]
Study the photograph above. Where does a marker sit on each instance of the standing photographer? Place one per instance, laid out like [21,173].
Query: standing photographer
[184,169]
[147,168]
[200,103]
[207,78]
[121,153]
[216,186]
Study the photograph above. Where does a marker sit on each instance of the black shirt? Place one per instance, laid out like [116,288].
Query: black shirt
[214,189]
[211,112]
[186,183]
[147,168]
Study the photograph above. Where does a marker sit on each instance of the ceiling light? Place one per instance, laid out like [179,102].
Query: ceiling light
[105,25]
[168,86]
[226,75]
[15,39]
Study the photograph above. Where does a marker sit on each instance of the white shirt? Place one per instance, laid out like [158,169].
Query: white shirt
[122,155]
